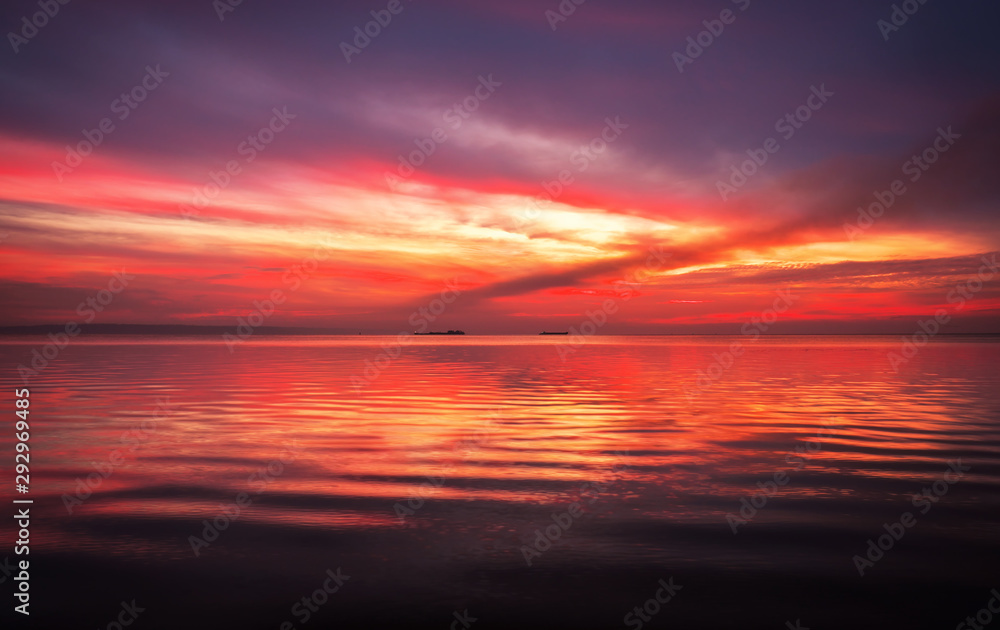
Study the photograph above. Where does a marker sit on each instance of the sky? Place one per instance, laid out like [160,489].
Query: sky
[506,167]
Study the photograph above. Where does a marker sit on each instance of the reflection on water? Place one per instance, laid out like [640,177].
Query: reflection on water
[428,483]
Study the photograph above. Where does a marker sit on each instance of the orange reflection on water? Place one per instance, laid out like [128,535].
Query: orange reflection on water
[502,422]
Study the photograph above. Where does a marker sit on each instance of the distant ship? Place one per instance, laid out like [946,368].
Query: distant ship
[553,333]
[450,332]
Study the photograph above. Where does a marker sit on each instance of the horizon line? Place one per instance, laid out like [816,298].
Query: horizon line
[210,329]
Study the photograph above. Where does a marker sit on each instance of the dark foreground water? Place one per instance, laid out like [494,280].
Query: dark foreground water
[433,478]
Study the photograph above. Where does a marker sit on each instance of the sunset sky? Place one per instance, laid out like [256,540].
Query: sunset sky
[509,99]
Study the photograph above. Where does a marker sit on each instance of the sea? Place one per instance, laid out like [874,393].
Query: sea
[506,482]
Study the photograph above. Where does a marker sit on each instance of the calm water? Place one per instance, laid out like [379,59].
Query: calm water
[432,480]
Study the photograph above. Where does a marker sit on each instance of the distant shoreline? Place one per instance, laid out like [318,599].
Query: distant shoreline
[278,331]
